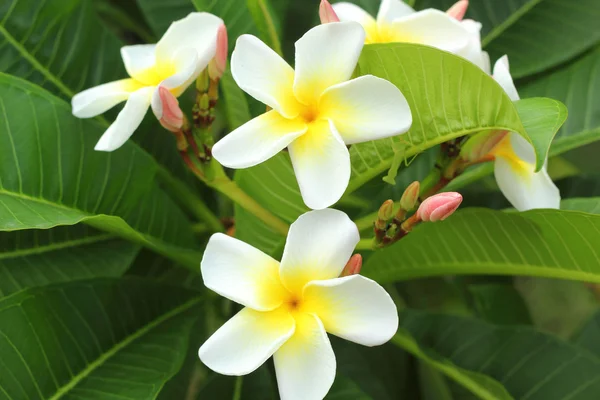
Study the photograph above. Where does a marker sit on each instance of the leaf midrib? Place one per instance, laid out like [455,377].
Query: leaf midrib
[121,345]
[57,246]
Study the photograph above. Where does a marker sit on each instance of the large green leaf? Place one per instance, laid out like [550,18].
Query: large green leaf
[160,14]
[533,43]
[578,86]
[444,92]
[50,176]
[547,243]
[589,335]
[531,365]
[478,384]
[95,339]
[66,253]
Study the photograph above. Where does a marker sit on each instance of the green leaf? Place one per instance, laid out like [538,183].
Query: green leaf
[547,243]
[541,118]
[483,386]
[589,205]
[533,44]
[50,175]
[529,364]
[160,14]
[589,336]
[101,338]
[578,86]
[500,304]
[236,105]
[266,22]
[68,253]
[444,92]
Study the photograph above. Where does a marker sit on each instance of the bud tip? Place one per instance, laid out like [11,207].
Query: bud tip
[327,13]
[439,207]
[216,67]
[353,266]
[410,196]
[386,210]
[171,117]
[458,10]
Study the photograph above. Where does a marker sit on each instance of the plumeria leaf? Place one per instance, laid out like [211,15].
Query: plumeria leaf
[104,338]
[589,335]
[51,176]
[522,358]
[236,104]
[66,253]
[448,96]
[541,118]
[478,384]
[546,243]
[582,77]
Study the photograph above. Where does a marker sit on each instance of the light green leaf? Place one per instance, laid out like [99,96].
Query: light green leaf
[67,253]
[531,365]
[547,243]
[533,44]
[444,92]
[101,338]
[236,105]
[481,385]
[50,175]
[578,86]
[541,118]
[266,22]
[586,204]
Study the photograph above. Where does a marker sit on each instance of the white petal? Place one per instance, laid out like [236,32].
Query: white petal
[354,308]
[318,246]
[502,76]
[326,55]
[352,12]
[366,108]
[187,68]
[433,28]
[473,50]
[242,273]
[390,10]
[197,31]
[305,365]
[246,341]
[264,75]
[138,59]
[127,121]
[257,140]
[96,100]
[321,163]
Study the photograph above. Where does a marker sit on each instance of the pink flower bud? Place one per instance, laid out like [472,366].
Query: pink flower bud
[326,13]
[352,266]
[217,65]
[171,115]
[439,207]
[458,10]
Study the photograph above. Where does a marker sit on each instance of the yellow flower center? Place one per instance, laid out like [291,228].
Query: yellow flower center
[156,74]
[387,33]
[505,150]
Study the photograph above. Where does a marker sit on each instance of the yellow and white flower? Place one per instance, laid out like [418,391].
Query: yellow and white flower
[316,110]
[173,63]
[290,306]
[397,22]
[514,165]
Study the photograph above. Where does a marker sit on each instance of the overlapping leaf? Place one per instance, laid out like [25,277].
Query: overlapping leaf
[101,338]
[50,175]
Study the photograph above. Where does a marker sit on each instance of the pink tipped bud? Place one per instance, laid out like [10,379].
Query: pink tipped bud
[458,10]
[216,67]
[386,210]
[352,266]
[439,207]
[326,13]
[171,115]
[481,145]
[410,196]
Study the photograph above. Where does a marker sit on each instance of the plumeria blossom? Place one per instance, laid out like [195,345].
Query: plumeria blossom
[397,22]
[316,110]
[173,64]
[514,165]
[290,306]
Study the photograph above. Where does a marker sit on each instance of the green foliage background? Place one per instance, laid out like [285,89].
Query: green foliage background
[100,293]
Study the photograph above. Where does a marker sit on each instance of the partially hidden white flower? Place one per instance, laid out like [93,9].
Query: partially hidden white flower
[173,63]
[397,22]
[289,307]
[316,110]
[514,165]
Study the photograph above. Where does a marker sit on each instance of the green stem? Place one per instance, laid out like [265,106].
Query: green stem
[365,244]
[230,189]
[192,202]
[237,392]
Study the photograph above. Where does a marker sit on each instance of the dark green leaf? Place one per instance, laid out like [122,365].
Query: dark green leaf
[499,303]
[160,14]
[589,336]
[95,339]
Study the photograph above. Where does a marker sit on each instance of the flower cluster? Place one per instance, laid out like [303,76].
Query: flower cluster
[315,110]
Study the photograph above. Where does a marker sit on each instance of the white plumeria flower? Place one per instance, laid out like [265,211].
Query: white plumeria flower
[514,165]
[317,110]
[290,306]
[398,22]
[173,63]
